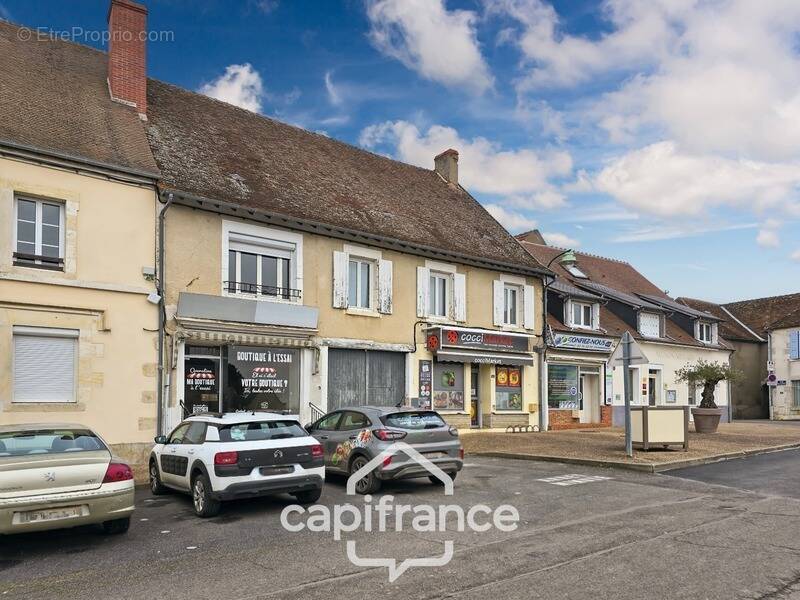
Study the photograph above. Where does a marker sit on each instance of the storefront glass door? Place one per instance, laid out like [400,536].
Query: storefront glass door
[475,404]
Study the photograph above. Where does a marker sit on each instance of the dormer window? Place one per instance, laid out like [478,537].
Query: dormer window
[650,324]
[582,315]
[705,332]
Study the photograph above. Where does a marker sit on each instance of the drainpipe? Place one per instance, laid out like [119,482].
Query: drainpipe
[770,389]
[162,314]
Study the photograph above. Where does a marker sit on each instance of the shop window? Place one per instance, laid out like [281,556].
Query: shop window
[262,263]
[45,364]
[508,388]
[39,234]
[448,386]
[562,386]
[360,283]
[231,378]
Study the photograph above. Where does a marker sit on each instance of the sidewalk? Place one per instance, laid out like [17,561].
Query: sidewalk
[606,447]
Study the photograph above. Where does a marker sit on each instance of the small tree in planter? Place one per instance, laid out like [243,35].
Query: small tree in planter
[707,374]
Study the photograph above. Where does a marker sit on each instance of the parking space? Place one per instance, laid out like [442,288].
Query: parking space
[603,536]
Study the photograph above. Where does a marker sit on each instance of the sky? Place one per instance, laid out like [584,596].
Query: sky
[661,132]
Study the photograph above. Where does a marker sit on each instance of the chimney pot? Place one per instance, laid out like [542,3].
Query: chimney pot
[446,165]
[127,45]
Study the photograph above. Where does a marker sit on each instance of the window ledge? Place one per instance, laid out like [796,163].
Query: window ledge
[45,407]
[258,298]
[440,320]
[362,312]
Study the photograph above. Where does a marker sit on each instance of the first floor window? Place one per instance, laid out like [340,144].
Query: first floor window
[359,288]
[508,388]
[511,304]
[437,295]
[39,233]
[45,364]
[704,332]
[581,314]
[259,274]
[796,393]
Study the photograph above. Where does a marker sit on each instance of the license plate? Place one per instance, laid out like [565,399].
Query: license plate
[266,471]
[51,514]
[435,454]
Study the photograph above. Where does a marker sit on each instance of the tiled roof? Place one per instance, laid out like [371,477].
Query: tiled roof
[685,309]
[764,314]
[54,99]
[729,327]
[210,149]
[564,287]
[612,278]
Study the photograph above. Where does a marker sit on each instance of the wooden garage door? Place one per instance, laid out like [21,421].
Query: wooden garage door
[359,377]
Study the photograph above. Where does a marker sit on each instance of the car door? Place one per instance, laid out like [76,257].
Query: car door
[324,430]
[187,451]
[344,438]
[169,459]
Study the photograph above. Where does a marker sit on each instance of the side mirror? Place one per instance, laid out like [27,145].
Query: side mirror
[160,439]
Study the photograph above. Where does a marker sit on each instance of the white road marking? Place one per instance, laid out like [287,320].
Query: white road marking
[572,479]
[165,531]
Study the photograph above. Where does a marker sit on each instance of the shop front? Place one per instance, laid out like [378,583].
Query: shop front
[228,360]
[479,378]
[579,388]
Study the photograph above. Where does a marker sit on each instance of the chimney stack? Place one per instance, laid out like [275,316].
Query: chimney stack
[127,67]
[446,165]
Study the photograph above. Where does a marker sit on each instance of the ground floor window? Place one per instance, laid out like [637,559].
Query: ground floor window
[359,377]
[233,377]
[448,386]
[45,364]
[562,386]
[796,393]
[508,388]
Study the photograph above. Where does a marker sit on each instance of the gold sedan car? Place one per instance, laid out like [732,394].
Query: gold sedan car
[54,476]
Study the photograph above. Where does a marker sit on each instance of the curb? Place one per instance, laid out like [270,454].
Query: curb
[640,467]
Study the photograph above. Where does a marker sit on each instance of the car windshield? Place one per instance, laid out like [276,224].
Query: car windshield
[260,430]
[48,441]
[414,420]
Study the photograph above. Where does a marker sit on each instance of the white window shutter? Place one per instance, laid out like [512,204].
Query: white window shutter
[794,345]
[423,283]
[714,334]
[528,303]
[459,297]
[53,357]
[499,302]
[568,313]
[340,279]
[385,287]
[696,329]
[596,315]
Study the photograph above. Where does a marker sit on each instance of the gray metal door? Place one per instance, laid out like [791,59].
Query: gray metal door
[360,377]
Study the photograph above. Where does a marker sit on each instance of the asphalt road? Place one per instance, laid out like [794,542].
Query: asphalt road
[632,535]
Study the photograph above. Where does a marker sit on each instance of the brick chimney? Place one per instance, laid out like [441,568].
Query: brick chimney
[127,66]
[446,165]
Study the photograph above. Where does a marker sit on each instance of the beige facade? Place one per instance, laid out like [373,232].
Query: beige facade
[785,396]
[198,246]
[96,298]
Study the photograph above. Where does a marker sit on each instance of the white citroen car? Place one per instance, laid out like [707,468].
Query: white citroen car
[218,457]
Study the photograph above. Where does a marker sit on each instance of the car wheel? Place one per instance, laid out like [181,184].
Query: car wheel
[436,481]
[369,484]
[117,526]
[308,496]
[156,487]
[204,504]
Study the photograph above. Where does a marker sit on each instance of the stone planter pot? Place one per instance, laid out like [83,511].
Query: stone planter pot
[706,420]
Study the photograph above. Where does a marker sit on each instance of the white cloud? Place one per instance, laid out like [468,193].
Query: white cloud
[665,231]
[333,94]
[560,240]
[240,85]
[266,6]
[795,255]
[515,222]
[523,176]
[438,44]
[768,238]
[659,179]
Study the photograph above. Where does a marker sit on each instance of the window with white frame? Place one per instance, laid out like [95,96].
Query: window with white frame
[360,273]
[512,304]
[582,315]
[262,263]
[650,324]
[39,233]
[796,393]
[45,364]
[794,345]
[438,290]
[704,332]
